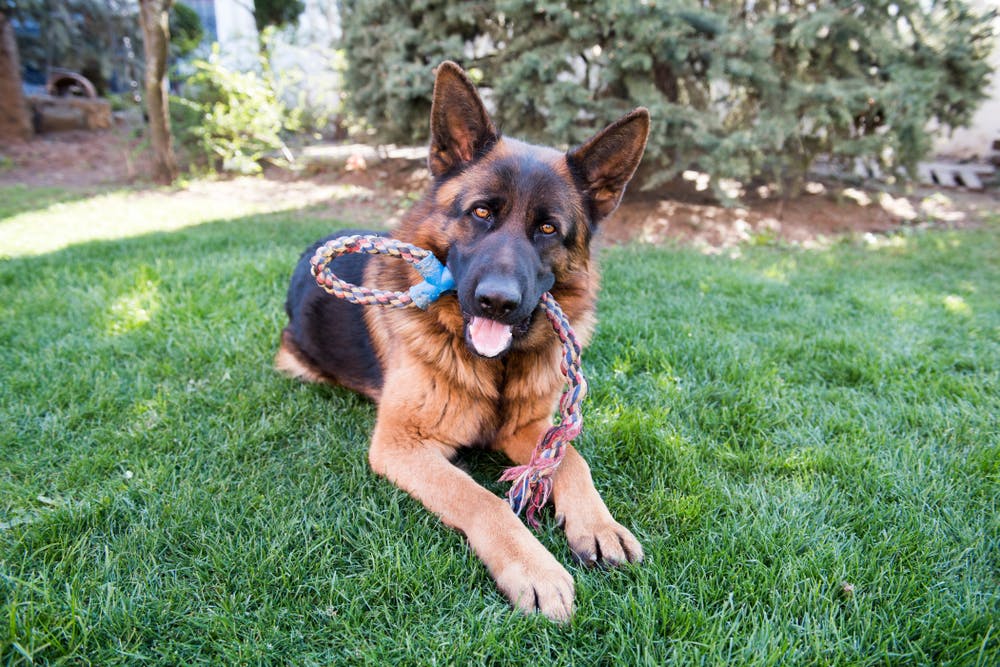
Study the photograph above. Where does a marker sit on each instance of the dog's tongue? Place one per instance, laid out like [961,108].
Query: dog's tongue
[489,337]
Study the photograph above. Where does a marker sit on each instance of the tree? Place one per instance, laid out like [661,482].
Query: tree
[15,123]
[276,13]
[186,31]
[744,90]
[154,16]
[391,47]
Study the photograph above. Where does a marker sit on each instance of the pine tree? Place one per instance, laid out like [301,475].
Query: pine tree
[392,47]
[746,90]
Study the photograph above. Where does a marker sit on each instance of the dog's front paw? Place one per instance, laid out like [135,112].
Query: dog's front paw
[601,541]
[541,585]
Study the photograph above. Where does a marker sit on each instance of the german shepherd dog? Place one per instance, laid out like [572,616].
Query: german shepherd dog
[480,367]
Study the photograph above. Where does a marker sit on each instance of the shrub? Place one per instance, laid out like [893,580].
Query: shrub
[745,90]
[231,120]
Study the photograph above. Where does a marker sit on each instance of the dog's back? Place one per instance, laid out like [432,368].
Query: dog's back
[326,339]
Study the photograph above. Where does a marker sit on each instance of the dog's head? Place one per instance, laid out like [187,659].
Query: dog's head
[520,217]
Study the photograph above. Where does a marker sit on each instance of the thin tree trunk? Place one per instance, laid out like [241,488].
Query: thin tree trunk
[15,121]
[154,17]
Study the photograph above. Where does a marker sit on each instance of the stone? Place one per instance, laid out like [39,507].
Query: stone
[56,114]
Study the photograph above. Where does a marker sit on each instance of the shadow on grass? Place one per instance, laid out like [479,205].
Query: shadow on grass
[163,311]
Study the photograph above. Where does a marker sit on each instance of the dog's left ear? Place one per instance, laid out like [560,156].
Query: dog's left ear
[607,162]
[461,129]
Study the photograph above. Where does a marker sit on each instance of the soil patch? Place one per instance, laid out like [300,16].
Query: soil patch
[375,193]
[77,159]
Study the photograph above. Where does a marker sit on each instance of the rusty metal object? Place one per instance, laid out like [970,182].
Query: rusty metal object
[67,83]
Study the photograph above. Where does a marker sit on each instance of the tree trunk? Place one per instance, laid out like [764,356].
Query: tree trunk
[154,16]
[15,121]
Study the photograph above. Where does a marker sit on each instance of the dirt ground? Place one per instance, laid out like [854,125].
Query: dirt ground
[377,191]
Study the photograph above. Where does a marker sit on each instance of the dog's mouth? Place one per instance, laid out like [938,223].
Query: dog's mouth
[490,338]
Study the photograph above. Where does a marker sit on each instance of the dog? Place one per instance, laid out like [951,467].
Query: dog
[480,367]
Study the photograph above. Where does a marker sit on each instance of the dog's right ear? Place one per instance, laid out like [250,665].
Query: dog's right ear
[608,161]
[461,129]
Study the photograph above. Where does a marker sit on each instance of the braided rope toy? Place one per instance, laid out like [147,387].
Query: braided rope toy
[437,278]
[532,482]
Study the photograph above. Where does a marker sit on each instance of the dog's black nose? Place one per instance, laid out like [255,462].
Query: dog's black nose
[497,296]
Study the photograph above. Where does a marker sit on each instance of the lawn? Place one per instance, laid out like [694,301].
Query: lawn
[805,441]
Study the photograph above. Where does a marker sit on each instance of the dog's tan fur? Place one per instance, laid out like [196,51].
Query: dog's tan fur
[437,396]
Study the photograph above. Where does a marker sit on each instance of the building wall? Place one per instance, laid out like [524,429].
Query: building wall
[237,33]
[205,9]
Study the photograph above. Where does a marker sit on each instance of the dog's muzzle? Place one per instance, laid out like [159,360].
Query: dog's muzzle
[498,315]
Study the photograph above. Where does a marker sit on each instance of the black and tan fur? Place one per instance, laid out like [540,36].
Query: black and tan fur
[488,214]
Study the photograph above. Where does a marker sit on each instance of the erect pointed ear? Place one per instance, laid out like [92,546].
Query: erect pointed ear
[460,127]
[608,160]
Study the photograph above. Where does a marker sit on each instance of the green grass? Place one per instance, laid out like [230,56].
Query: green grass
[771,427]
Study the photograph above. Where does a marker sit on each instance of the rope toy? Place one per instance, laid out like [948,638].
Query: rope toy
[437,278]
[532,482]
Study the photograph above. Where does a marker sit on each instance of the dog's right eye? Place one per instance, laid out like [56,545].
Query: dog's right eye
[481,213]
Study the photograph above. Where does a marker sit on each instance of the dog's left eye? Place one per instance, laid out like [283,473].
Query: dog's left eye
[547,228]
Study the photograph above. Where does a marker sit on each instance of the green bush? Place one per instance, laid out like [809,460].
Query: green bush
[276,13]
[186,31]
[231,120]
[749,91]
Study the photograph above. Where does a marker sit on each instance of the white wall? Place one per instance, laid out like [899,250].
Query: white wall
[237,32]
[305,61]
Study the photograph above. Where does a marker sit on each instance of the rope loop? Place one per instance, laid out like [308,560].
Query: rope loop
[437,277]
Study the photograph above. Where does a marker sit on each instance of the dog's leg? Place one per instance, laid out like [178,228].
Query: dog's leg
[288,361]
[593,534]
[523,569]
